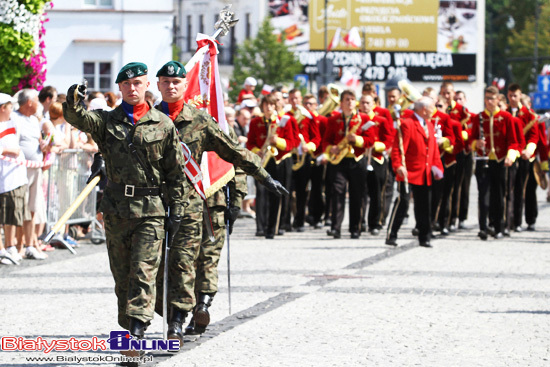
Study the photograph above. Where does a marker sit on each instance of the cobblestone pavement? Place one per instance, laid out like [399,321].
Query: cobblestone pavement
[305,299]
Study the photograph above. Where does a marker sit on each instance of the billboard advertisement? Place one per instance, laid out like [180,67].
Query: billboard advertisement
[422,40]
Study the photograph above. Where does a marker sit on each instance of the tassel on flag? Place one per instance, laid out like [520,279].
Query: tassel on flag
[266,89]
[353,38]
[349,79]
[335,39]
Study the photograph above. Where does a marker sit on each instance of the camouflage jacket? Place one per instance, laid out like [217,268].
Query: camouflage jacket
[237,187]
[156,141]
[201,133]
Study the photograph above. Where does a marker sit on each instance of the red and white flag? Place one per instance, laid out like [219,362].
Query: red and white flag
[204,91]
[267,89]
[349,79]
[335,39]
[353,38]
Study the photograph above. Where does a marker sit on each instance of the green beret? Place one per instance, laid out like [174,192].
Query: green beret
[172,69]
[130,71]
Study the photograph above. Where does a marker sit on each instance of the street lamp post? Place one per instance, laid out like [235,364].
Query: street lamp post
[325,60]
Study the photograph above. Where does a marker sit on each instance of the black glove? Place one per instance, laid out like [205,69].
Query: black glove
[73,99]
[171,225]
[98,168]
[275,186]
[231,215]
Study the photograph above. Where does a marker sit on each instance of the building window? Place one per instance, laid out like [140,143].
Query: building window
[189,35]
[247,32]
[99,75]
[201,23]
[99,3]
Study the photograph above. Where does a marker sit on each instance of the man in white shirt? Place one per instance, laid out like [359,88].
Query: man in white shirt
[30,141]
[13,181]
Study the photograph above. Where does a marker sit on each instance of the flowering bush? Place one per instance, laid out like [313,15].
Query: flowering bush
[22,44]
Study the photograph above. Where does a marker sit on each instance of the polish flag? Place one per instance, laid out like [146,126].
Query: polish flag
[335,40]
[353,38]
[266,89]
[349,79]
[204,91]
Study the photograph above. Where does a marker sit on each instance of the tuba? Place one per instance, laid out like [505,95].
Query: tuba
[332,102]
[409,95]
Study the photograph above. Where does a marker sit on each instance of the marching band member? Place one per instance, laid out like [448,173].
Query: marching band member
[494,137]
[415,156]
[309,140]
[272,138]
[344,143]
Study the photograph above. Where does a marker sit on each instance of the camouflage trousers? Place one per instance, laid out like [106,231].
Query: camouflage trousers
[184,250]
[192,260]
[134,248]
[209,254]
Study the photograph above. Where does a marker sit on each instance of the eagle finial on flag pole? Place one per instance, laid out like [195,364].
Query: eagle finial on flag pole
[226,21]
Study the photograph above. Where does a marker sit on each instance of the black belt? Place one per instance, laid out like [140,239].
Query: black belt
[131,190]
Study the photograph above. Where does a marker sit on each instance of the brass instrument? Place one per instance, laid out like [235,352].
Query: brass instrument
[332,102]
[300,154]
[268,151]
[409,95]
[344,147]
[299,114]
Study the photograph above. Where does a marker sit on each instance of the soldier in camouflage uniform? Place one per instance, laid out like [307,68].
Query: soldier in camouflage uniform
[200,132]
[134,213]
[206,282]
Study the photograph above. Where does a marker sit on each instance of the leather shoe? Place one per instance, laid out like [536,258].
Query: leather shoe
[506,232]
[452,228]
[318,225]
[354,235]
[531,227]
[518,229]
[336,234]
[375,232]
[300,229]
[260,233]
[444,232]
[425,243]
[483,235]
[462,225]
[363,227]
[415,232]
[498,236]
[269,236]
[392,241]
[436,227]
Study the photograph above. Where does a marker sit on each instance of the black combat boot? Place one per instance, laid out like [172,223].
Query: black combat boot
[190,329]
[177,318]
[201,316]
[137,330]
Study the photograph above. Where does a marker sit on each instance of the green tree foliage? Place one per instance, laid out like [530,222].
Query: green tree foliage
[503,42]
[267,60]
[523,42]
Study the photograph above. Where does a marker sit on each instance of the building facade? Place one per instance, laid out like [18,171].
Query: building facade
[93,39]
